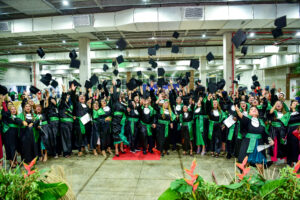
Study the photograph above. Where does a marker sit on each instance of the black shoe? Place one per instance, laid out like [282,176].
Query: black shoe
[162,154]
[167,153]
[151,151]
[123,152]
[117,155]
[144,152]
[228,156]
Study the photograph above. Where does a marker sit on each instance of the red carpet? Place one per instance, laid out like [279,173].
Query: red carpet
[138,155]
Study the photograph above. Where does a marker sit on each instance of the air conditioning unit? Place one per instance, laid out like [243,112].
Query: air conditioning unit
[83,20]
[5,27]
[194,12]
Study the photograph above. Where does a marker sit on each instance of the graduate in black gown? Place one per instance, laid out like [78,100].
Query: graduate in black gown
[66,122]
[256,135]
[10,133]
[186,120]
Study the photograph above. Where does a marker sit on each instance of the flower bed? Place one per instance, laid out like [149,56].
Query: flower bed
[29,184]
[244,186]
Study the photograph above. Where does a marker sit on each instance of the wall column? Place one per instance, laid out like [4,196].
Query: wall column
[35,71]
[192,79]
[228,61]
[85,60]
[203,70]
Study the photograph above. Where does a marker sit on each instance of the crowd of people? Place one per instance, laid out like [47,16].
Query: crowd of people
[258,124]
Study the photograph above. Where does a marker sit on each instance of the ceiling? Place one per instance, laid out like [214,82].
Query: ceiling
[17,9]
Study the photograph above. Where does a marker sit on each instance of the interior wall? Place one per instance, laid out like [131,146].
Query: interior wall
[17,76]
[277,76]
[246,80]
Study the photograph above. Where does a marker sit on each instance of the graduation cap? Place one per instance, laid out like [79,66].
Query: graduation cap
[75,63]
[116,72]
[239,38]
[118,85]
[104,83]
[184,81]
[131,85]
[277,32]
[139,73]
[73,54]
[149,69]
[40,52]
[120,59]
[94,80]
[198,82]
[153,63]
[194,63]
[99,86]
[3,90]
[54,83]
[33,89]
[76,84]
[238,77]
[121,43]
[114,63]
[212,87]
[267,88]
[252,87]
[46,79]
[256,84]
[161,82]
[244,50]
[151,51]
[161,71]
[156,46]
[168,44]
[88,84]
[221,84]
[235,82]
[152,77]
[241,89]
[146,95]
[210,56]
[280,22]
[175,49]
[139,82]
[105,67]
[175,35]
[254,78]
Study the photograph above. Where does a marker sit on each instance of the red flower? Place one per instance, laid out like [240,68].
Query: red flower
[195,187]
[296,168]
[242,167]
[28,168]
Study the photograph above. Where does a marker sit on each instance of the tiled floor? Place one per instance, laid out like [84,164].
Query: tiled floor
[106,179]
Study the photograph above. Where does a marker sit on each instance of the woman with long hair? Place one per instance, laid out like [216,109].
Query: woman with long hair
[199,116]
[28,134]
[216,116]
[165,117]
[186,120]
[293,147]
[95,136]
[278,117]
[10,133]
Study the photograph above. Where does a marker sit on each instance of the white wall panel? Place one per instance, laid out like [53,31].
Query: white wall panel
[22,25]
[216,12]
[240,12]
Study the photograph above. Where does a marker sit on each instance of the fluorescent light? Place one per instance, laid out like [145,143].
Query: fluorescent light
[65,3]
[64,41]
[117,46]
[20,44]
[153,38]
[145,1]
[252,34]
[107,38]
[298,34]
[203,35]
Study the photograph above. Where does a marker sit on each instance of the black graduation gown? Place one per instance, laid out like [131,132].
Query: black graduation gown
[293,144]
[132,126]
[53,118]
[186,119]
[104,127]
[147,118]
[66,124]
[10,136]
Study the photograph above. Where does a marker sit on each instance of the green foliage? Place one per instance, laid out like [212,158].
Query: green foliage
[13,185]
[254,187]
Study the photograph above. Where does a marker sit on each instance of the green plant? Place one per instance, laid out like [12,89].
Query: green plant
[252,187]
[19,184]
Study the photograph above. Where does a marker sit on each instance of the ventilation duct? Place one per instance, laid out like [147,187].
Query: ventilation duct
[194,12]
[83,20]
[5,27]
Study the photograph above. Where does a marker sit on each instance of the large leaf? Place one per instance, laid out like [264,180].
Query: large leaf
[181,186]
[169,195]
[51,191]
[270,186]
[233,186]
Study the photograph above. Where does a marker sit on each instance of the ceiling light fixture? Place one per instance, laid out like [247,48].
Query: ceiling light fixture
[252,34]
[20,44]
[64,41]
[107,38]
[153,38]
[203,35]
[298,34]
[65,3]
